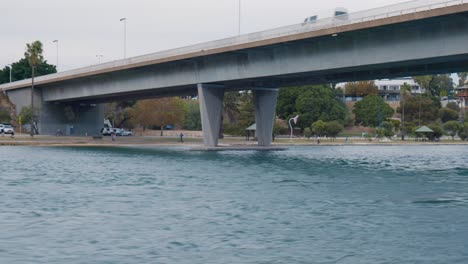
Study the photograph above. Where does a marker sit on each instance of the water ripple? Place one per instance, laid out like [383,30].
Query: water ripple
[303,205]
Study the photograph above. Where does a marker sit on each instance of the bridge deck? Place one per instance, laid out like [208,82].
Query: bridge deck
[410,11]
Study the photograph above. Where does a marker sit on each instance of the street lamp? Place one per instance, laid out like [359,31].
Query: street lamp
[240,8]
[99,56]
[125,35]
[290,125]
[57,44]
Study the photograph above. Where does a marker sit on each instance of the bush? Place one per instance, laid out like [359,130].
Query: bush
[388,129]
[333,128]
[308,132]
[447,114]
[319,128]
[234,130]
[452,128]
[438,132]
[463,131]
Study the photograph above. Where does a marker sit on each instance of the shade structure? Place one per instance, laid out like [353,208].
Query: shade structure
[424,129]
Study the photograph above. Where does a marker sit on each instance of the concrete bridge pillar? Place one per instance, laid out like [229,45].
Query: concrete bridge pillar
[211,108]
[265,108]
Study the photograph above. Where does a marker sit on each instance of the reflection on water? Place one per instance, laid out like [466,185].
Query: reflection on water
[302,205]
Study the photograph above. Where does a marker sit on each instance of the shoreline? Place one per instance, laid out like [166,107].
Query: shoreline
[196,143]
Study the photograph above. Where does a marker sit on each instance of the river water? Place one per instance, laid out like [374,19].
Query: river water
[346,204]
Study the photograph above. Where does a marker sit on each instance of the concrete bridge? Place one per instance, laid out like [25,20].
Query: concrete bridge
[414,38]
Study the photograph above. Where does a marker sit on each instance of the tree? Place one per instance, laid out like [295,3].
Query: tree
[158,112]
[231,106]
[22,70]
[447,114]
[308,132]
[246,110]
[405,93]
[286,103]
[423,108]
[119,113]
[435,84]
[463,131]
[333,128]
[192,116]
[34,56]
[319,103]
[361,89]
[453,106]
[319,128]
[438,132]
[26,114]
[388,129]
[463,78]
[452,127]
[371,111]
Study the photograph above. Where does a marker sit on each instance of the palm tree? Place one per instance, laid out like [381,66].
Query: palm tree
[463,78]
[34,56]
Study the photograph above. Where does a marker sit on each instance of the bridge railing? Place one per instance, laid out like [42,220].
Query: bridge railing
[351,18]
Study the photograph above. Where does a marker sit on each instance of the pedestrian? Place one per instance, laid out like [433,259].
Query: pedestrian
[113,136]
[181,137]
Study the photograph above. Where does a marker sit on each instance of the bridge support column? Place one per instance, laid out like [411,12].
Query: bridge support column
[265,108]
[211,108]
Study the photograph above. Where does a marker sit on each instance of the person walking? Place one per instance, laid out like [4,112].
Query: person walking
[181,137]
[113,134]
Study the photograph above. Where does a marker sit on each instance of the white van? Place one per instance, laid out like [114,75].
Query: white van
[339,13]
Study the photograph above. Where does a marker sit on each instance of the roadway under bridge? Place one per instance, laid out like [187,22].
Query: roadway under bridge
[415,38]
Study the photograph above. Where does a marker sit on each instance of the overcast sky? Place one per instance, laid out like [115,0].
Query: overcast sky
[86,28]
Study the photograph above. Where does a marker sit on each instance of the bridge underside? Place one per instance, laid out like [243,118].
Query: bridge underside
[427,46]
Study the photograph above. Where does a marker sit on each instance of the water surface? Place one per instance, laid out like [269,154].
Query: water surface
[304,205]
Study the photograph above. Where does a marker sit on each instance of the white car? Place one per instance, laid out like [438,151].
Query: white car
[126,133]
[6,129]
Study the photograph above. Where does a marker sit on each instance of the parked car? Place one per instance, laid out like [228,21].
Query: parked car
[6,129]
[127,133]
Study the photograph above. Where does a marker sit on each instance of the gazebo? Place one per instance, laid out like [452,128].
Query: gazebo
[251,131]
[424,130]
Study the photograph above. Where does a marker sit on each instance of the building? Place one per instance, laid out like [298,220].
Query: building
[390,88]
[462,94]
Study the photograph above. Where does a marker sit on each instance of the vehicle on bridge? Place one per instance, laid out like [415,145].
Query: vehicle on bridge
[338,13]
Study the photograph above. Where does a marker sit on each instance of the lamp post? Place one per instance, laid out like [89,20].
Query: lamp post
[57,45]
[125,35]
[239,20]
[99,56]
[290,125]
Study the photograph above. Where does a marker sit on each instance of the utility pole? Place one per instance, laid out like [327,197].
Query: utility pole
[32,101]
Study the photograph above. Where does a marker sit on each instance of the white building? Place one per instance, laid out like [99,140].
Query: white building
[390,88]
